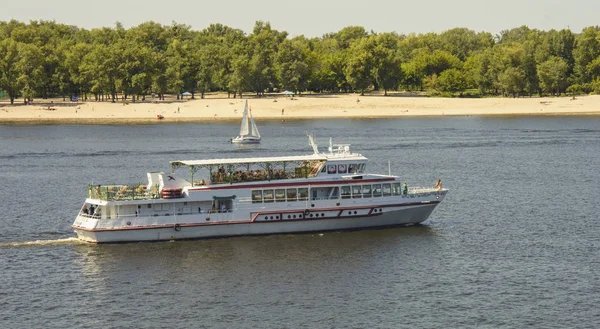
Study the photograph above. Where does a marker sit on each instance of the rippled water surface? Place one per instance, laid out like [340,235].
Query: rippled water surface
[514,244]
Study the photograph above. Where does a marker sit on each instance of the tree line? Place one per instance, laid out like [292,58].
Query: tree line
[46,59]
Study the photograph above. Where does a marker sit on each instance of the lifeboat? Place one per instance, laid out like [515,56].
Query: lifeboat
[171,193]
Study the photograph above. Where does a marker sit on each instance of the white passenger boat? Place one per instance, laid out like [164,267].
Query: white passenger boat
[248,130]
[252,196]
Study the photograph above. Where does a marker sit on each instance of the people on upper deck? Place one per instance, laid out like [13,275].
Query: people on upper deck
[85,209]
[92,209]
[405,189]
[438,185]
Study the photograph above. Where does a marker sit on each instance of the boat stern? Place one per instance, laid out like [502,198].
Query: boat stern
[83,227]
[87,220]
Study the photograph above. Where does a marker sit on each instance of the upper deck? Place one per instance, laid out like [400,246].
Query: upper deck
[338,162]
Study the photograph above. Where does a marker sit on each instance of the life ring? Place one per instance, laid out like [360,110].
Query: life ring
[306,212]
[177,227]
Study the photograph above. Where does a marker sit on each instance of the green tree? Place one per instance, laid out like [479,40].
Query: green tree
[553,75]
[264,43]
[462,42]
[386,70]
[451,80]
[292,69]
[359,65]
[512,81]
[30,68]
[240,77]
[588,49]
[9,72]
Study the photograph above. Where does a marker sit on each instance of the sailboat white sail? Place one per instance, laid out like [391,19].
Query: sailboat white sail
[248,131]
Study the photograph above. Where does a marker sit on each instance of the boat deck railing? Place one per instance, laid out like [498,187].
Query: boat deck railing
[122,192]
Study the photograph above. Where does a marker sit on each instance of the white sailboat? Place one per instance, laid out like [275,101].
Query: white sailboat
[248,131]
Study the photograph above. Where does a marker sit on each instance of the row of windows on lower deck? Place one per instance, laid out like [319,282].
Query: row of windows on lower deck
[326,193]
[156,209]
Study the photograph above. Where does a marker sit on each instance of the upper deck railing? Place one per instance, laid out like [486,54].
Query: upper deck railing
[123,192]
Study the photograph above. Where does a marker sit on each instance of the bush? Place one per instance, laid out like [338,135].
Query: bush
[575,90]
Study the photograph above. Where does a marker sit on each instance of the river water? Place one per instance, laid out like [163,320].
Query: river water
[514,244]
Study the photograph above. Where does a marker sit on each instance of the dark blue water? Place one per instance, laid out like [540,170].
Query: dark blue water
[514,244]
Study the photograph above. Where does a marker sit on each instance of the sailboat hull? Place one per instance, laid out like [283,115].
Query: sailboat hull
[246,140]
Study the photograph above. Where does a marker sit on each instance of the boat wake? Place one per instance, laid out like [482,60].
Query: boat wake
[41,243]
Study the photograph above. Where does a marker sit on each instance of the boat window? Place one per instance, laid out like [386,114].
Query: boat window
[352,169]
[361,168]
[346,192]
[331,169]
[165,206]
[356,193]
[387,189]
[280,195]
[268,195]
[302,194]
[291,194]
[149,206]
[376,190]
[333,193]
[256,196]
[342,169]
[366,191]
[324,169]
[396,188]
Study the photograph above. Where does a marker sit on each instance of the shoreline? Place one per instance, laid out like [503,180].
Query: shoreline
[306,107]
[142,121]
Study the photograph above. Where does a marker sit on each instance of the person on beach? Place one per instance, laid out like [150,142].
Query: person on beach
[282,111]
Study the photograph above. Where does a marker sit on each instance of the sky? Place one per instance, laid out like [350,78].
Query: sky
[313,18]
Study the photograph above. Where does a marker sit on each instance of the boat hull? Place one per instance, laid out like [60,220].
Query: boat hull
[246,141]
[394,217]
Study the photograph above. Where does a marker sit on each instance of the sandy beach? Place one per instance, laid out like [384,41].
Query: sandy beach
[279,107]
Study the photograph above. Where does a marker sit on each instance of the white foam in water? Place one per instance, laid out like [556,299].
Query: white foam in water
[36,243]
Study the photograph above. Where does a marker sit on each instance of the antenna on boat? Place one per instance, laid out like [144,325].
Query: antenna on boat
[330,145]
[313,143]
[389,168]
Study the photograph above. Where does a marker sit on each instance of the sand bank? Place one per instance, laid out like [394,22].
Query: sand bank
[218,107]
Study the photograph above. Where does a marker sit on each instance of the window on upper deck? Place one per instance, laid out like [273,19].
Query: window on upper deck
[366,191]
[387,189]
[324,169]
[376,190]
[268,195]
[342,169]
[356,192]
[361,168]
[280,195]
[345,191]
[396,189]
[302,194]
[352,169]
[256,196]
[331,169]
[292,195]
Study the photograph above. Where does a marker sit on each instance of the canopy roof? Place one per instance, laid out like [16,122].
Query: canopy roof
[216,162]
